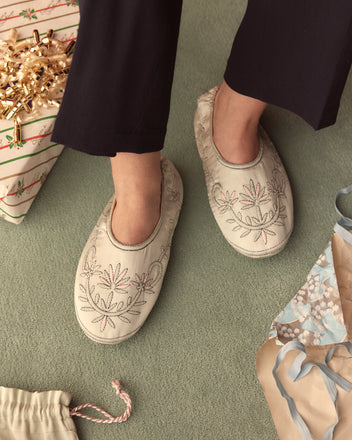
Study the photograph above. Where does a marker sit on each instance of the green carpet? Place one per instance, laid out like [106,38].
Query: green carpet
[190,370]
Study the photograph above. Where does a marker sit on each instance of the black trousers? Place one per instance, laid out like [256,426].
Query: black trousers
[292,53]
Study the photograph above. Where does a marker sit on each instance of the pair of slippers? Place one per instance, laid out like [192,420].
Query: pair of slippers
[117,285]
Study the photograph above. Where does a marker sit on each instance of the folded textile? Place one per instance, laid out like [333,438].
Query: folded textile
[26,415]
[305,366]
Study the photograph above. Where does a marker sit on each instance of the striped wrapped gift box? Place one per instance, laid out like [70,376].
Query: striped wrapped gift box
[24,167]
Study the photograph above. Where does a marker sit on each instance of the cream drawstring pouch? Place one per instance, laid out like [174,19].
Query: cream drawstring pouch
[26,415]
[24,166]
[305,367]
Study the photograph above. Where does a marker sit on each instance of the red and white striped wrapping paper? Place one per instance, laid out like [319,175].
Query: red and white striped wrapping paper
[24,169]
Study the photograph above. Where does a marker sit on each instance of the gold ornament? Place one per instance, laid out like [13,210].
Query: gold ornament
[33,74]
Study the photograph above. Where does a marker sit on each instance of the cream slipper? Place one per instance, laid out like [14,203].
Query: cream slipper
[252,203]
[117,285]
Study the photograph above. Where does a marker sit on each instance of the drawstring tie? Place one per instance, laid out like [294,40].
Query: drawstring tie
[109,418]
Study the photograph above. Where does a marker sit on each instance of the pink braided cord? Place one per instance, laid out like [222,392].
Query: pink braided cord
[109,418]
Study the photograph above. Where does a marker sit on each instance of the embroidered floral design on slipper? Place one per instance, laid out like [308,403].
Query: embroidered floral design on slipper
[251,203]
[117,285]
[114,280]
[122,296]
[252,199]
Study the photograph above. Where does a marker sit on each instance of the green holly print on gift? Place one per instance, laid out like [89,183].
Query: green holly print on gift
[43,177]
[20,189]
[13,143]
[29,13]
[71,2]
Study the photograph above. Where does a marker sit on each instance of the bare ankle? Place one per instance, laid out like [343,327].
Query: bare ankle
[137,181]
[235,125]
[137,173]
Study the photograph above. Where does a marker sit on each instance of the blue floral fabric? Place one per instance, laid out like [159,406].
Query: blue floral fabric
[314,316]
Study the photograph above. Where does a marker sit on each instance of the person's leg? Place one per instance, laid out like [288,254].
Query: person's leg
[117,101]
[294,54]
[137,181]
[116,104]
[235,125]
[297,55]
[117,95]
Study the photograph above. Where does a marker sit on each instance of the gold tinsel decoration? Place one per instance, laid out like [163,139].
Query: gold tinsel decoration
[33,74]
